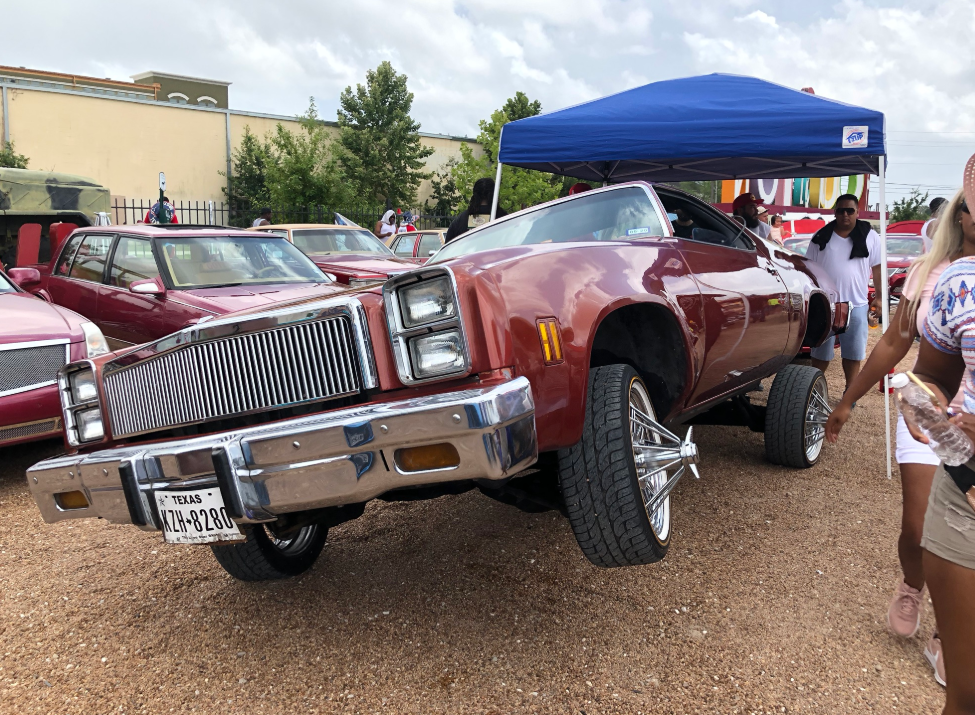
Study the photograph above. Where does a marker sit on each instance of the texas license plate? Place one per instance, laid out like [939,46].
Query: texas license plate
[195,517]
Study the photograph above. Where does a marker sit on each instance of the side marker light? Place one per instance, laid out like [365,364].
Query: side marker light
[551,340]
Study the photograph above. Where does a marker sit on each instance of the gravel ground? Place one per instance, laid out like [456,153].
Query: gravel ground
[772,599]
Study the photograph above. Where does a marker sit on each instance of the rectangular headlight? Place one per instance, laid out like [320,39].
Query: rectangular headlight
[82,386]
[89,425]
[437,354]
[427,302]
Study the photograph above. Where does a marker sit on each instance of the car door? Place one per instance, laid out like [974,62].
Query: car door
[79,289]
[58,281]
[127,317]
[404,245]
[428,244]
[745,306]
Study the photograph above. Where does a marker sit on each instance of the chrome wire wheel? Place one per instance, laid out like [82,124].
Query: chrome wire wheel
[297,543]
[651,476]
[817,413]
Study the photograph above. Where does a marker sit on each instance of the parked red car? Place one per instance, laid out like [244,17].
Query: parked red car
[140,283]
[546,358]
[36,340]
[349,253]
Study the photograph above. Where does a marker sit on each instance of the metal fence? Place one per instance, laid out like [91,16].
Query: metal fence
[220,213]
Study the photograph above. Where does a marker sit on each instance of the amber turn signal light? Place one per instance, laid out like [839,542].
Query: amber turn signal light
[71,500]
[430,456]
[551,337]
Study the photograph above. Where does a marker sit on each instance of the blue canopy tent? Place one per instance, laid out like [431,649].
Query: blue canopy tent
[712,127]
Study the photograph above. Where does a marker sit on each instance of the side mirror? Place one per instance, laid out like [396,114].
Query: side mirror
[147,286]
[25,277]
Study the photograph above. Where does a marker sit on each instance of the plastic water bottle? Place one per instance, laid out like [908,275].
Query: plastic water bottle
[948,441]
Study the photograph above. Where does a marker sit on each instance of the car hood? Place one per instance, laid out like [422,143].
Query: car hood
[25,317]
[233,298]
[361,264]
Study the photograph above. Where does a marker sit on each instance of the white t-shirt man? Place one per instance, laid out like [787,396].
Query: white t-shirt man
[851,275]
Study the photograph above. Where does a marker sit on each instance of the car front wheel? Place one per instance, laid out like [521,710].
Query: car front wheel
[614,483]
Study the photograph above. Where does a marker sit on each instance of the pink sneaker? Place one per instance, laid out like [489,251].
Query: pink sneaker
[936,658]
[904,614]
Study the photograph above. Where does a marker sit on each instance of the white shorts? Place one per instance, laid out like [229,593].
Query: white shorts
[909,450]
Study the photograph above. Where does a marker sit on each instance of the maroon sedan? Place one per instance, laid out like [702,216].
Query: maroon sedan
[143,282]
[350,253]
[36,340]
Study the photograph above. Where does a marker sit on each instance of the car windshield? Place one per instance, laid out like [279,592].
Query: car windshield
[905,246]
[210,261]
[321,241]
[6,285]
[799,245]
[618,214]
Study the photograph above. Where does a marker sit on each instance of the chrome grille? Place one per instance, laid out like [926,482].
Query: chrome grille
[30,429]
[307,362]
[29,367]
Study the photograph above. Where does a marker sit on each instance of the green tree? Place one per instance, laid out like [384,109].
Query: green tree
[10,159]
[444,194]
[304,169]
[519,187]
[249,166]
[520,107]
[910,208]
[381,150]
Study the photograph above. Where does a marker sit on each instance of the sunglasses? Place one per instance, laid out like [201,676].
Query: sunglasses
[964,207]
[849,211]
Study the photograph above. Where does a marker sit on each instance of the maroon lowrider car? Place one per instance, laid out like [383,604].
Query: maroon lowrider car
[349,253]
[140,283]
[546,359]
[36,340]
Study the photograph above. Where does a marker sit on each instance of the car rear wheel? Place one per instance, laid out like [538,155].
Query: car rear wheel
[264,556]
[611,479]
[795,420]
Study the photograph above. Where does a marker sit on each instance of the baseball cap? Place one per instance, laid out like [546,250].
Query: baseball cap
[744,200]
[762,210]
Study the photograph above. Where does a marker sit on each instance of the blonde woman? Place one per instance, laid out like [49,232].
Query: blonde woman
[953,239]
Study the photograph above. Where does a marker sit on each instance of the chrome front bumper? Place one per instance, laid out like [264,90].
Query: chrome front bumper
[326,459]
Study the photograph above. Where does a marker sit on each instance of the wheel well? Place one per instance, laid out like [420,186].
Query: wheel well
[818,321]
[648,338]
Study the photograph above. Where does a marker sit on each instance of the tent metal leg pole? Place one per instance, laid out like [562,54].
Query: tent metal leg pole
[497,191]
[885,312]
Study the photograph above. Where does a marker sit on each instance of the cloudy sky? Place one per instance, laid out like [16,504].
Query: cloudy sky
[912,60]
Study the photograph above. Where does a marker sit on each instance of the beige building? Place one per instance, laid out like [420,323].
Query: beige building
[122,134]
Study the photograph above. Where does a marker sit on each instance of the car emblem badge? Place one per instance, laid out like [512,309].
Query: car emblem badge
[357,435]
[361,461]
